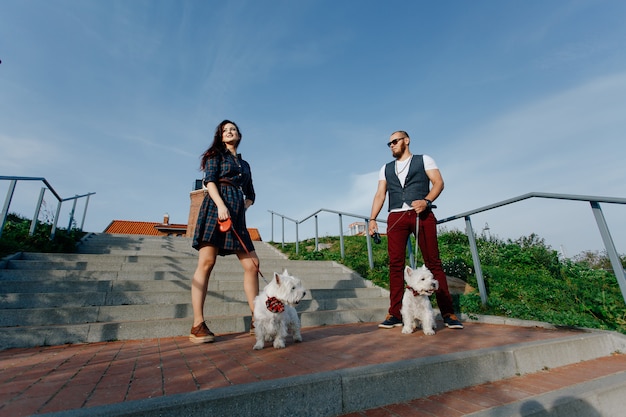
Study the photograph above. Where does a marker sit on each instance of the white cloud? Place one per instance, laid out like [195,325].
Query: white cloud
[358,195]
[160,146]
[23,156]
[570,142]
[563,136]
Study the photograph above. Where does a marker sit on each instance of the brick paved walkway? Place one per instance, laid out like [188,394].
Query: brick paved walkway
[48,379]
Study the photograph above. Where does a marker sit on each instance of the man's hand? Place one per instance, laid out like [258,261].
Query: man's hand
[419,205]
[373,227]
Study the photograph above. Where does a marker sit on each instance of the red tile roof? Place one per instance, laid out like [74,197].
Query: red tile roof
[129,227]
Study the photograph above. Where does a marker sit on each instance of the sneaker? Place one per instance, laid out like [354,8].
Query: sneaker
[390,322]
[201,334]
[451,321]
[252,331]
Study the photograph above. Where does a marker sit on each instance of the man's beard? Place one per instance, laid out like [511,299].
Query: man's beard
[399,152]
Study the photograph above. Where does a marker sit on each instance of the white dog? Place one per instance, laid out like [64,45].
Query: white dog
[420,284]
[274,315]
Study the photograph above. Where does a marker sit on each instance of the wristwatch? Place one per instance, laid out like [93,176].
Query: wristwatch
[429,204]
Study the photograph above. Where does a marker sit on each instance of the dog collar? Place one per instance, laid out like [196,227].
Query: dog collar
[274,305]
[414,291]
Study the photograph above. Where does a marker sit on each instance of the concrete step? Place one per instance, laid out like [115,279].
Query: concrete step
[159,306]
[148,263]
[160,273]
[180,294]
[124,287]
[177,324]
[72,288]
[134,245]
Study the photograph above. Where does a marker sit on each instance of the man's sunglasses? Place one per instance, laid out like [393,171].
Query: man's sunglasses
[393,142]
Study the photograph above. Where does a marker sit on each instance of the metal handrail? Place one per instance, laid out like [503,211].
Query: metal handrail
[370,255]
[593,200]
[11,191]
[597,212]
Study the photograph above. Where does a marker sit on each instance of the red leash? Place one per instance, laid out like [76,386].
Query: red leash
[225,226]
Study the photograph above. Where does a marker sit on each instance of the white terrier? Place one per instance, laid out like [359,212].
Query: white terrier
[274,315]
[420,284]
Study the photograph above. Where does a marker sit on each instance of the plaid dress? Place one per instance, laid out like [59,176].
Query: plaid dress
[237,171]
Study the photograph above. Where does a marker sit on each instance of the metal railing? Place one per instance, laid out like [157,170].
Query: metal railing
[7,203]
[594,201]
[340,214]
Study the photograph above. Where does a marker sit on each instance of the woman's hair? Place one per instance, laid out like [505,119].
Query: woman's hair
[217,146]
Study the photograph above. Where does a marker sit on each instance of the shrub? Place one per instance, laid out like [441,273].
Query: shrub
[15,237]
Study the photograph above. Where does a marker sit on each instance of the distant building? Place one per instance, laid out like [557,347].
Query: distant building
[357,229]
[128,227]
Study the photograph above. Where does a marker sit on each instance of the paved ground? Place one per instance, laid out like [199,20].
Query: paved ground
[48,379]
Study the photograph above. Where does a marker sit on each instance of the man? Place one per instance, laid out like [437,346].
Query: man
[408,181]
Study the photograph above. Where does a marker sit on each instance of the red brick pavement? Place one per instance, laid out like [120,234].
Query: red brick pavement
[47,379]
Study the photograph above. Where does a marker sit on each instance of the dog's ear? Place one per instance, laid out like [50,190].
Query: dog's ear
[408,270]
[285,273]
[277,278]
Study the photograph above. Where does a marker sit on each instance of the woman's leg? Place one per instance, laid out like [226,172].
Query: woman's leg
[200,282]
[251,265]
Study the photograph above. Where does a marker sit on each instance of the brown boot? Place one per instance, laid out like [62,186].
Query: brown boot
[201,334]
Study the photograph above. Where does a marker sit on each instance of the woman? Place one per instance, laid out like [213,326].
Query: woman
[228,193]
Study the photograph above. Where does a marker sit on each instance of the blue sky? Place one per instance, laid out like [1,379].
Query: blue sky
[121,97]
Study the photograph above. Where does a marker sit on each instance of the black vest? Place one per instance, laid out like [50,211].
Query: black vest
[416,185]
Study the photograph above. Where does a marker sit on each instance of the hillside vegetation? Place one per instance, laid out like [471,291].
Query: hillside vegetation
[15,237]
[525,278]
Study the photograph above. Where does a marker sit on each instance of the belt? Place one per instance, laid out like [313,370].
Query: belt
[226,181]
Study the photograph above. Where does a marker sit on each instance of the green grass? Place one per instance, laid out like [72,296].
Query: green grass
[525,278]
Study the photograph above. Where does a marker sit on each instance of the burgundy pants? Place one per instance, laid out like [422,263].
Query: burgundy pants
[399,227]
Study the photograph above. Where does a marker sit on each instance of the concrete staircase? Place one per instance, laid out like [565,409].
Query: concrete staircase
[121,287]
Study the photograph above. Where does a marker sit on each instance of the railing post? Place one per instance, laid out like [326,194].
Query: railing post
[297,240]
[7,204]
[69,226]
[317,240]
[341,243]
[33,223]
[370,255]
[610,247]
[272,224]
[283,230]
[474,248]
[82,223]
[56,219]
